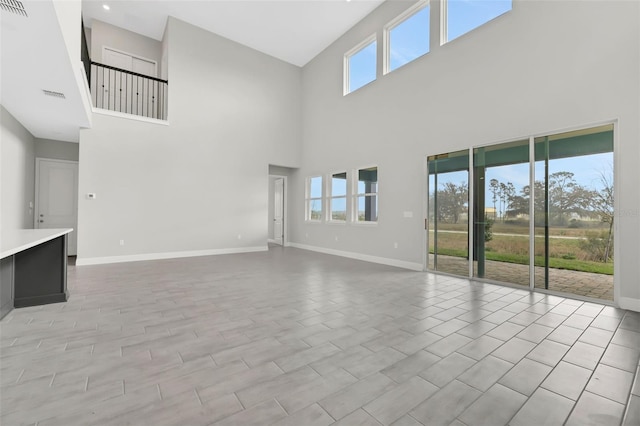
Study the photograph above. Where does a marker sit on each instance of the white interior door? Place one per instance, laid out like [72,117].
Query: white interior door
[278,211]
[57,197]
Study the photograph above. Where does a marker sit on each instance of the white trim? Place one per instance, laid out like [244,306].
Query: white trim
[345,72]
[386,30]
[629,303]
[413,266]
[84,261]
[272,241]
[122,52]
[617,178]
[443,22]
[130,116]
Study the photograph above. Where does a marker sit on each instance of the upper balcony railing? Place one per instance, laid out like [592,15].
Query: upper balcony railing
[120,90]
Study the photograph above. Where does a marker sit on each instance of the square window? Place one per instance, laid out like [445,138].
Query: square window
[461,16]
[407,37]
[360,65]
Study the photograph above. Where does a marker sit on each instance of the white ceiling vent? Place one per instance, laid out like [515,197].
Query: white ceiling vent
[50,92]
[13,6]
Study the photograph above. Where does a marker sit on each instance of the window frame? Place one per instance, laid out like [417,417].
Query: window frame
[330,197]
[308,199]
[355,194]
[444,24]
[345,66]
[390,26]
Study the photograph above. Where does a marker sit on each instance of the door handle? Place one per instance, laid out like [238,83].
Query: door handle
[41,221]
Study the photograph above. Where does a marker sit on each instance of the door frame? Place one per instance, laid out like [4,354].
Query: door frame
[36,207]
[285,212]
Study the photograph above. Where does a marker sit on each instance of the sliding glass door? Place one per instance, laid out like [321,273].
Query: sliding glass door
[501,212]
[448,237]
[574,212]
[566,189]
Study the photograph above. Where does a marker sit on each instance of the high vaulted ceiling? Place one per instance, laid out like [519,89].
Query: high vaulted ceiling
[292,30]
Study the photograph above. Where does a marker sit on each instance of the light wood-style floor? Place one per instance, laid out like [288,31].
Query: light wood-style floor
[291,337]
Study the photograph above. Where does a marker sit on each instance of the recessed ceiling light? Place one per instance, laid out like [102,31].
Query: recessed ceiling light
[106,7]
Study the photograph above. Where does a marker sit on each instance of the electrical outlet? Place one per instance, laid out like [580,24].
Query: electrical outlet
[121,242]
[395,245]
[239,236]
[336,238]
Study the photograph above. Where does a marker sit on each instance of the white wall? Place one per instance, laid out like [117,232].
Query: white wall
[198,183]
[103,34]
[543,67]
[58,150]
[17,170]
[69,15]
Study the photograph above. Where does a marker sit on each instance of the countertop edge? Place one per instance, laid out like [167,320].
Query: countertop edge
[54,233]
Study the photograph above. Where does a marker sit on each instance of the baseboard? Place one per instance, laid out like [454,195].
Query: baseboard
[359,256]
[272,241]
[80,261]
[629,304]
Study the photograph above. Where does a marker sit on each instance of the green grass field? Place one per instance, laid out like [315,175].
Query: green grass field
[564,253]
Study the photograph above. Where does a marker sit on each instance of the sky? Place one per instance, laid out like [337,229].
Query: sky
[586,170]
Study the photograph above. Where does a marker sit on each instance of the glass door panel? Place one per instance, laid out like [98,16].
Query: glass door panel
[574,212]
[501,212]
[448,236]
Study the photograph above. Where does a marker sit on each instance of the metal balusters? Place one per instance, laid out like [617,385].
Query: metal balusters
[128,92]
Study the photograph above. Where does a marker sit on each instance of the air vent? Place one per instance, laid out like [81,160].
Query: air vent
[52,93]
[13,6]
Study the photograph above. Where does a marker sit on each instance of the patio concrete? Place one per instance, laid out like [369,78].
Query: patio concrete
[586,284]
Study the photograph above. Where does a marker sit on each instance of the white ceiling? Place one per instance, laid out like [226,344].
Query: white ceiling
[292,30]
